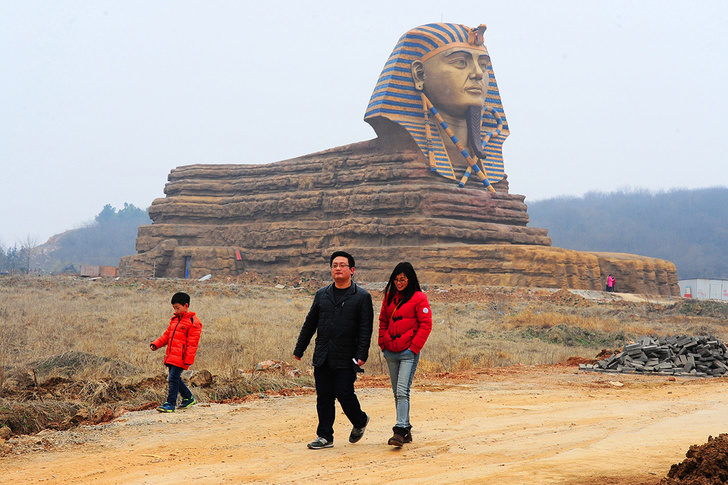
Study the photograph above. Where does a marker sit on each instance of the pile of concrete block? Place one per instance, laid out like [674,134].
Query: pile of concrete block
[679,355]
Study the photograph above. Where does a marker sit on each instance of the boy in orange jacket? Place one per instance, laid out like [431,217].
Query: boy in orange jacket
[181,339]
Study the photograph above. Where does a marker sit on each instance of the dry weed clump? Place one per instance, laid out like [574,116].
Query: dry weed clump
[82,366]
[26,418]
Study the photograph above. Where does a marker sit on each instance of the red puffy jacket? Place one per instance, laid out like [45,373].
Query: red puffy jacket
[407,326]
[181,339]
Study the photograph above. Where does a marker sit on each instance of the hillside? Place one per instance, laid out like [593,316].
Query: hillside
[687,227]
[102,242]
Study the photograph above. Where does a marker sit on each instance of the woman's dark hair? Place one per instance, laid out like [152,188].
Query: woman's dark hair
[413,283]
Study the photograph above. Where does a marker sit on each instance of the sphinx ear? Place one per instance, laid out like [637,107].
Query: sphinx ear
[418,74]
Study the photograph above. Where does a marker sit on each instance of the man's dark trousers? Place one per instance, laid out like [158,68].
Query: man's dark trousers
[337,384]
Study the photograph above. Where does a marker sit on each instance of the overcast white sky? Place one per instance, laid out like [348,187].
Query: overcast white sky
[101,99]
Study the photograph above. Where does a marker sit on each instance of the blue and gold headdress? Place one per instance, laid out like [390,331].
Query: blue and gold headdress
[395,98]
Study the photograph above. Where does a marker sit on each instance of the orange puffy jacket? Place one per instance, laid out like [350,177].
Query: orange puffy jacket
[181,339]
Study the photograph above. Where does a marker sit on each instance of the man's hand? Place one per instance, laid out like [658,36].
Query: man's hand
[152,346]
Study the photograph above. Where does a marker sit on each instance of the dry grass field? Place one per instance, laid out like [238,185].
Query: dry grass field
[76,350]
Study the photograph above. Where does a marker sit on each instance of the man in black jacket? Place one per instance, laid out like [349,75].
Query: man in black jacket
[341,316]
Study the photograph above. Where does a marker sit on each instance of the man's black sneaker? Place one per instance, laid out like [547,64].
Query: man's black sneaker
[357,433]
[320,443]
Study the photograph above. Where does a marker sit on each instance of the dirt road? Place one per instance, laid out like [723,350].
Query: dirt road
[517,425]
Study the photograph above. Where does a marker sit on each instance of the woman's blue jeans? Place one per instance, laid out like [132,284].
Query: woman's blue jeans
[402,366]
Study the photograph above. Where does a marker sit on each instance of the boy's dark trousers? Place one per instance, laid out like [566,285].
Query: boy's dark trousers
[176,386]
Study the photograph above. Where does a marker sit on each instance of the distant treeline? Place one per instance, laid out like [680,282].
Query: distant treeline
[102,242]
[687,227]
[111,236]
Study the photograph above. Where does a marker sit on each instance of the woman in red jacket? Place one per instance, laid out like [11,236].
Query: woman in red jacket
[405,322]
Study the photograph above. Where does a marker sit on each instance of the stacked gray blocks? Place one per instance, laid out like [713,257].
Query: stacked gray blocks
[679,356]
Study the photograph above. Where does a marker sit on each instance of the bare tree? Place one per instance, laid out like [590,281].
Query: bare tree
[28,245]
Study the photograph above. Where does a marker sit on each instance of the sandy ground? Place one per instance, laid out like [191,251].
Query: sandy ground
[517,425]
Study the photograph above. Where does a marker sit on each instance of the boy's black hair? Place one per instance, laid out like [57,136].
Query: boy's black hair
[348,256]
[181,298]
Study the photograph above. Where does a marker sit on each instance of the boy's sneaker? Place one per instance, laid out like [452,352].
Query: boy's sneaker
[320,443]
[357,433]
[186,403]
[166,408]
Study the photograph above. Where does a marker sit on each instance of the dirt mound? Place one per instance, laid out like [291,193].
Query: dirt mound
[575,361]
[706,464]
[565,297]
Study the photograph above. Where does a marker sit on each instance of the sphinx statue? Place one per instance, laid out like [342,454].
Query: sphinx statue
[405,195]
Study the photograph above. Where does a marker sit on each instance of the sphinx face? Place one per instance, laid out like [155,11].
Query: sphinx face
[456,79]
[449,69]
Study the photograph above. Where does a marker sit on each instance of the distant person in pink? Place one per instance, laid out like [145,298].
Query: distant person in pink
[610,283]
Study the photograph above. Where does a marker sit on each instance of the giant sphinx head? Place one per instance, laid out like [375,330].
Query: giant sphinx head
[439,89]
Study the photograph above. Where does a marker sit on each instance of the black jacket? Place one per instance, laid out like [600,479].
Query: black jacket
[343,331]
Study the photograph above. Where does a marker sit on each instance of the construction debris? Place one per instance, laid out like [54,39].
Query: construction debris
[677,355]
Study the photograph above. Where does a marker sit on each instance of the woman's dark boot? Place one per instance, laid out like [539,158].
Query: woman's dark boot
[408,435]
[399,437]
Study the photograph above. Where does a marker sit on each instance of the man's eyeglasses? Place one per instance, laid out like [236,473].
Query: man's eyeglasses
[339,265]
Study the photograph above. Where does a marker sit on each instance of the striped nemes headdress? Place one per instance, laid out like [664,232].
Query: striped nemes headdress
[395,97]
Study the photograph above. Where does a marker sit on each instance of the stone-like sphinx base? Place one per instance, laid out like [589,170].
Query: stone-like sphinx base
[286,218]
